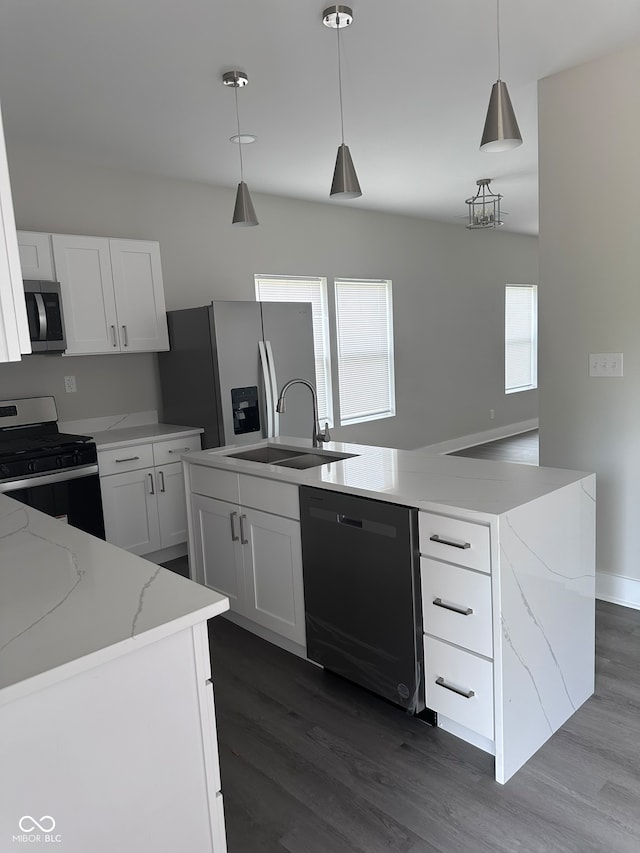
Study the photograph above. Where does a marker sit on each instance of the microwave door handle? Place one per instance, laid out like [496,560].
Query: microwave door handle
[42,317]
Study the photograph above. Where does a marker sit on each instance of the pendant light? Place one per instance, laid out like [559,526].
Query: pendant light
[345,181]
[501,131]
[243,212]
[484,206]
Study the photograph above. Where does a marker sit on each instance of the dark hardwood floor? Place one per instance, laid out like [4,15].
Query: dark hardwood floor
[313,764]
[516,448]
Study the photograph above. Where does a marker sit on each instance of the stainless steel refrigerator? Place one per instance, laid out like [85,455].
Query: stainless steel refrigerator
[227,364]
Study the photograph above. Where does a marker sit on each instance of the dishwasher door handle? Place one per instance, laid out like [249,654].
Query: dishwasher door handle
[350,522]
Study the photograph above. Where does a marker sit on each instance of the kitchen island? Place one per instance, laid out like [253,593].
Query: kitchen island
[107,721]
[504,669]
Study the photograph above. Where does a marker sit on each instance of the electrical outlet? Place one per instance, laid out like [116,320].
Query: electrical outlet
[70,384]
[605,364]
[492,414]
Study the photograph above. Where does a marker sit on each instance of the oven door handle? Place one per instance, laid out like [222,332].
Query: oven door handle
[34,480]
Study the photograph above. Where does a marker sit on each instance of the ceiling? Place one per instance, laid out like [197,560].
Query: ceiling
[136,84]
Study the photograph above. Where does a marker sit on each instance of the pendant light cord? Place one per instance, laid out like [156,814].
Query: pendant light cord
[498,33]
[340,76]
[235,89]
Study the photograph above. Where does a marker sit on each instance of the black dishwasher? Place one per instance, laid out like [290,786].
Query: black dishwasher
[362,592]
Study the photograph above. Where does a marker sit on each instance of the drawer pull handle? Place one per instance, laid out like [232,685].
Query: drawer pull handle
[466,694]
[179,450]
[452,542]
[128,459]
[234,535]
[463,611]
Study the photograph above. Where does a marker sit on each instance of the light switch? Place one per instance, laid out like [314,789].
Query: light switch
[605,364]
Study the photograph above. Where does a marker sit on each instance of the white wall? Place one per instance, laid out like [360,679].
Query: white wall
[448,282]
[590,296]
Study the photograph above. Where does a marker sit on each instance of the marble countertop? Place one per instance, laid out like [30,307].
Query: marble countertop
[119,437]
[409,477]
[69,601]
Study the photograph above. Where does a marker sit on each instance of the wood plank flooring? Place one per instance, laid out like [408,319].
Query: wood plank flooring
[515,448]
[313,764]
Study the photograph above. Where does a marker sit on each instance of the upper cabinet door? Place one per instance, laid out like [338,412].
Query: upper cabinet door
[83,266]
[14,329]
[36,257]
[139,294]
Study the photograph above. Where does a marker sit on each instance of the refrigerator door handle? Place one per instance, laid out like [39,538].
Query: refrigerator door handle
[268,393]
[274,388]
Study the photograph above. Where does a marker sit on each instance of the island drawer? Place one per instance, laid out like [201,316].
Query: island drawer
[457,541]
[270,496]
[456,605]
[120,459]
[214,483]
[459,685]
[165,452]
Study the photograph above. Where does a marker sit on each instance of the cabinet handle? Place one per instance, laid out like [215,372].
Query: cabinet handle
[179,450]
[452,542]
[128,459]
[113,336]
[161,476]
[152,490]
[464,611]
[125,335]
[243,538]
[234,536]
[466,694]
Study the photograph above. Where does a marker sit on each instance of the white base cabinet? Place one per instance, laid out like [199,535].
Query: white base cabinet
[119,757]
[251,556]
[143,502]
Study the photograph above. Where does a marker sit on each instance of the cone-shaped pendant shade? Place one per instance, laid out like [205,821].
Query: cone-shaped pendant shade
[244,213]
[345,181]
[501,131]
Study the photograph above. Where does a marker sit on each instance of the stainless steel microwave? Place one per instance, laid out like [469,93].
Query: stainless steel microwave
[44,313]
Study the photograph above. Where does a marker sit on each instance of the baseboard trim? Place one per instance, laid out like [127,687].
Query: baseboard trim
[494,434]
[618,589]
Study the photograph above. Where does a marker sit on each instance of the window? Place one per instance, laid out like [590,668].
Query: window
[313,290]
[364,336]
[520,338]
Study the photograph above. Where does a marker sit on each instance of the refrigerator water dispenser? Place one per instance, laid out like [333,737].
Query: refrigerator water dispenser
[246,414]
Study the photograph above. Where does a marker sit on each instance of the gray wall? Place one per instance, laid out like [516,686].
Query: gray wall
[448,282]
[590,295]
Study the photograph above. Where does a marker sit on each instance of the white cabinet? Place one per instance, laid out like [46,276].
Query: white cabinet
[252,556]
[112,291]
[36,256]
[457,621]
[143,498]
[14,329]
[135,735]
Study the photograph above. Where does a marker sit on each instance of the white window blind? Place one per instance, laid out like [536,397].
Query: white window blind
[313,290]
[521,338]
[364,332]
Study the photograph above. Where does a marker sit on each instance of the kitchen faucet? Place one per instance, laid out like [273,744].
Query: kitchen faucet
[317,436]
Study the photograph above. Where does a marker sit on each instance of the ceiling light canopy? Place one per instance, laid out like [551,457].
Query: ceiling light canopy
[243,213]
[345,182]
[484,206]
[501,131]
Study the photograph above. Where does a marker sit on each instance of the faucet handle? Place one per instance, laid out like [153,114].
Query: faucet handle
[325,436]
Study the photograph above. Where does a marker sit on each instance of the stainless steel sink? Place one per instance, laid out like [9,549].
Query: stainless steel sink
[266,455]
[311,460]
[285,458]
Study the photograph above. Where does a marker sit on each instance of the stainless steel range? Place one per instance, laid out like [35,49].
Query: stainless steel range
[44,468]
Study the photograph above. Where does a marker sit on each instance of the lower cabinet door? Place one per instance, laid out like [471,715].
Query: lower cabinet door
[273,573]
[130,507]
[217,549]
[172,506]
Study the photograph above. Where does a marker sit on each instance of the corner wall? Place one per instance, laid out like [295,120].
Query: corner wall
[448,283]
[589,128]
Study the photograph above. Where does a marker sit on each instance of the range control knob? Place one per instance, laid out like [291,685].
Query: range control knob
[59,461]
[32,466]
